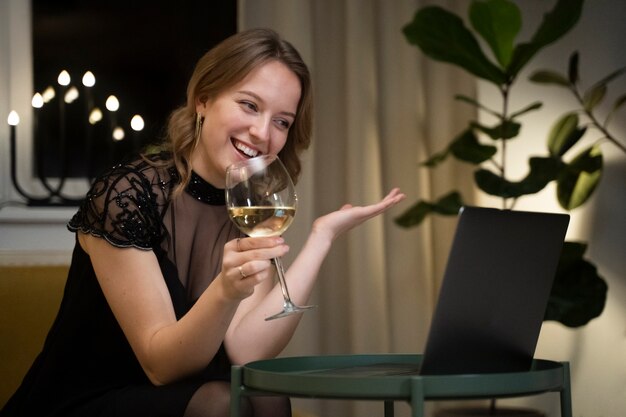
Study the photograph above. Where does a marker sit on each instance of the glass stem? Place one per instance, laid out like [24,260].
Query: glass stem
[281,279]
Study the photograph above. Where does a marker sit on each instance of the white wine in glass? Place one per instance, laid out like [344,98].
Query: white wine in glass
[262,201]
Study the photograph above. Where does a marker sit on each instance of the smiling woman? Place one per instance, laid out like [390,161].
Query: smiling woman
[164,293]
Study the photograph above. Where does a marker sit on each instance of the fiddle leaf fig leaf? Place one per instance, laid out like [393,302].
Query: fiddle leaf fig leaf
[436,159]
[578,293]
[448,205]
[572,68]
[498,22]
[549,77]
[542,171]
[442,36]
[579,179]
[505,130]
[466,147]
[594,96]
[555,24]
[619,102]
[564,134]
[531,107]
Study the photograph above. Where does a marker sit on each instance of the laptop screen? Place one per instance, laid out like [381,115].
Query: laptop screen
[494,291]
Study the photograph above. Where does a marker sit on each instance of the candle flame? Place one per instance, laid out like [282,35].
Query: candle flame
[112,103]
[14,118]
[95,116]
[88,79]
[37,101]
[118,134]
[136,123]
[48,94]
[64,78]
[71,95]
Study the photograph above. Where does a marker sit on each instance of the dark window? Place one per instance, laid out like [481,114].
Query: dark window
[142,52]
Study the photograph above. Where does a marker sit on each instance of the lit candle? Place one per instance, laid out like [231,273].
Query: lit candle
[95,116]
[112,104]
[37,102]
[137,124]
[13,120]
[89,80]
[48,94]
[64,80]
[71,95]
[118,134]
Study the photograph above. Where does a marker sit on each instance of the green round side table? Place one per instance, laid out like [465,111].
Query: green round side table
[389,378]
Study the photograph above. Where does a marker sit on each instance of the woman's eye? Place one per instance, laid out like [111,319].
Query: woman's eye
[249,105]
[283,123]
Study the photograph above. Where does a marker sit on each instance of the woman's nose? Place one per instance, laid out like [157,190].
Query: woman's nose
[261,129]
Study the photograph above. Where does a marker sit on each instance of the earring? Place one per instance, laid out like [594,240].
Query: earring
[199,122]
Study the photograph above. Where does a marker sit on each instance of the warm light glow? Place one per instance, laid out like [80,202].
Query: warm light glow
[48,94]
[112,104]
[71,95]
[88,79]
[37,101]
[14,118]
[64,78]
[136,123]
[95,116]
[118,133]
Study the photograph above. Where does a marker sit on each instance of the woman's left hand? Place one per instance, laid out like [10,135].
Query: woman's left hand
[349,216]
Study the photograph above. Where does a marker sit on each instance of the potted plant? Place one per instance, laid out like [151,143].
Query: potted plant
[579,292]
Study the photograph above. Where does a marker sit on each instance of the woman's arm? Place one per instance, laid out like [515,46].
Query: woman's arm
[250,337]
[135,290]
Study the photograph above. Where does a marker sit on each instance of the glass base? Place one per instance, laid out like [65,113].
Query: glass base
[288,310]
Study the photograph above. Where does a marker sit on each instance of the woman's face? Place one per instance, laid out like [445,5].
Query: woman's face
[251,118]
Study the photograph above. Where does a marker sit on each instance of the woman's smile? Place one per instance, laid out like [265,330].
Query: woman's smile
[244,149]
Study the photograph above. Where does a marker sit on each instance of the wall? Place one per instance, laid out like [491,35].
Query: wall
[597,352]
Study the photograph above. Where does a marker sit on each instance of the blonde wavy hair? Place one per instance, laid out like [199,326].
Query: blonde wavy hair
[224,66]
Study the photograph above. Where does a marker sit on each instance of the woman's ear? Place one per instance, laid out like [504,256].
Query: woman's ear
[201,104]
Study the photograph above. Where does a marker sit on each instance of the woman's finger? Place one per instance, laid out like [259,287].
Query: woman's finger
[249,243]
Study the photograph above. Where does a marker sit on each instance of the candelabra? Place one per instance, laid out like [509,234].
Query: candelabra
[66,94]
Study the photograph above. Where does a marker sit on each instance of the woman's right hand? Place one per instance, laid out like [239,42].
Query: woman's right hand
[247,263]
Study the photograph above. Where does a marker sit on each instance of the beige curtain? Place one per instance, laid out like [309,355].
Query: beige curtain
[381,107]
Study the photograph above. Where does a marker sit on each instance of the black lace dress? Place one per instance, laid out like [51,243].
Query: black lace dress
[86,367]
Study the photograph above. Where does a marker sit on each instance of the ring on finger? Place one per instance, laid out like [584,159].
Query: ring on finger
[242,273]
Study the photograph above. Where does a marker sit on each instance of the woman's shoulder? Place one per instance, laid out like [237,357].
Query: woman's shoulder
[155,169]
[126,203]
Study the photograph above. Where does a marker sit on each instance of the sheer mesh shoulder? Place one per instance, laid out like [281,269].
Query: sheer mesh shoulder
[125,205]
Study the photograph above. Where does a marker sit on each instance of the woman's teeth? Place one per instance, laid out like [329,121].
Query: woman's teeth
[246,150]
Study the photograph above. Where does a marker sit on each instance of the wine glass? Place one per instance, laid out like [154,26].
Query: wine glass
[261,200]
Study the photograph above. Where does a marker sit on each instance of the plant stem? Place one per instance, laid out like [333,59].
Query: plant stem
[505,106]
[595,121]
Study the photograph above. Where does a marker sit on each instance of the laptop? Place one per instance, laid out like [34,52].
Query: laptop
[495,291]
[493,296]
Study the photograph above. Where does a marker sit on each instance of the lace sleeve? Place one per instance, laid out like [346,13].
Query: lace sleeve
[125,207]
